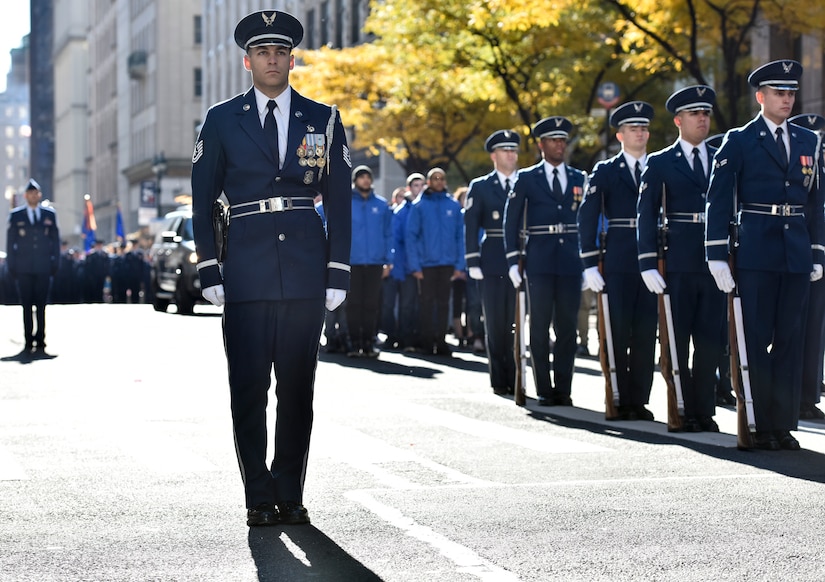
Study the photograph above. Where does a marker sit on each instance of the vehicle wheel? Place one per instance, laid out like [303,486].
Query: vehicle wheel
[185,303]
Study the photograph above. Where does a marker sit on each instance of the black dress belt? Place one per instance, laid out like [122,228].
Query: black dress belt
[267,205]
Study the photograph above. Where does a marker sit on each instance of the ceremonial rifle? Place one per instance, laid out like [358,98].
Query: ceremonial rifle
[739,371]
[519,341]
[669,361]
[607,358]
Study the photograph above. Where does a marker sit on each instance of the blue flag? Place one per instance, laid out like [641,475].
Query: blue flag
[119,225]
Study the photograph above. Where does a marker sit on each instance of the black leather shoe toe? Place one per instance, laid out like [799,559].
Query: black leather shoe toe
[262,514]
[292,513]
[691,424]
[707,424]
[544,401]
[765,441]
[786,441]
[643,413]
[562,400]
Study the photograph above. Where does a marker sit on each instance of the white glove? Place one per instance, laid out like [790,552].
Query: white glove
[816,274]
[475,273]
[515,276]
[722,275]
[214,295]
[335,297]
[654,281]
[593,279]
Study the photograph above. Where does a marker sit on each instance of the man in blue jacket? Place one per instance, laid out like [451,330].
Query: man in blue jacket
[673,194]
[486,260]
[435,253]
[548,195]
[769,173]
[271,151]
[405,282]
[33,245]
[371,260]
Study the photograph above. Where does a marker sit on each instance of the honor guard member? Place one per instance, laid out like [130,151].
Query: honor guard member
[814,350]
[546,198]
[271,151]
[33,246]
[486,261]
[612,191]
[767,173]
[672,199]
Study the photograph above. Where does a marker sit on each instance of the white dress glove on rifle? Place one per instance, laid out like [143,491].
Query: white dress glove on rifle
[475,273]
[816,274]
[335,297]
[515,277]
[654,281]
[722,275]
[214,295]
[593,279]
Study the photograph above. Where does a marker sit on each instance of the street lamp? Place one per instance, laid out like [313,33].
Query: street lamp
[159,166]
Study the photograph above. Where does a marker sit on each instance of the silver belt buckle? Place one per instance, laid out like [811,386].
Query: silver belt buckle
[698,217]
[272,204]
[781,209]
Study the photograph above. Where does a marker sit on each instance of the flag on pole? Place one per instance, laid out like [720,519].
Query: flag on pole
[121,235]
[89,224]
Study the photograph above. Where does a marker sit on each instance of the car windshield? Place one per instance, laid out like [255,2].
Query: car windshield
[186,232]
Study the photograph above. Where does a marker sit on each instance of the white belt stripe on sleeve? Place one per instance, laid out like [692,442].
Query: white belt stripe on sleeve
[342,266]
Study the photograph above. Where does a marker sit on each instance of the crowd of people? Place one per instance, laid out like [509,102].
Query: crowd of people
[107,273]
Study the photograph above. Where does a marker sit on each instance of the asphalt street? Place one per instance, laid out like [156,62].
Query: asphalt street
[117,463]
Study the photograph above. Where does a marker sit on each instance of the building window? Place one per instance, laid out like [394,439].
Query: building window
[198,82]
[198,29]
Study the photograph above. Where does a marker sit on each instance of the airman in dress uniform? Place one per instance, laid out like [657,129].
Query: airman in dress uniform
[486,261]
[612,191]
[548,195]
[271,151]
[767,173]
[33,246]
[672,199]
[814,351]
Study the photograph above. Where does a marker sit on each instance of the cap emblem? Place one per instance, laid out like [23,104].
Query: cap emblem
[269,20]
[701,91]
[638,107]
[787,67]
[558,121]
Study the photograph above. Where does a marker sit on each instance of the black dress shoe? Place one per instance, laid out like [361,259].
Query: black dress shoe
[544,401]
[786,441]
[725,399]
[810,412]
[562,400]
[766,441]
[708,424]
[623,413]
[262,514]
[292,513]
[691,424]
[643,413]
[500,390]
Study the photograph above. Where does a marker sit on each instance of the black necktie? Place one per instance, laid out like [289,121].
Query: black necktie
[780,143]
[271,130]
[697,166]
[557,184]
[507,186]
[638,173]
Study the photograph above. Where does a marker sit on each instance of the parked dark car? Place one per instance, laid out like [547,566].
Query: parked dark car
[174,264]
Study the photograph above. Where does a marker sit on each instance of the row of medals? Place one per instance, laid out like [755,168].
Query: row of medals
[311,151]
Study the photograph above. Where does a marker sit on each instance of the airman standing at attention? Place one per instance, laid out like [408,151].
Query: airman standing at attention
[672,204]
[486,260]
[612,191]
[270,151]
[545,199]
[767,173]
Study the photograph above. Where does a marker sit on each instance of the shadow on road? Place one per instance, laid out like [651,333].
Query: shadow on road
[303,552]
[804,464]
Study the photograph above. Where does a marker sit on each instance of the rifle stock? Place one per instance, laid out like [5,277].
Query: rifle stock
[519,347]
[607,358]
[669,361]
[739,373]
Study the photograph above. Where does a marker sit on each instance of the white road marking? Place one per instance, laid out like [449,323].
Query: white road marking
[466,560]
[293,549]
[10,468]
